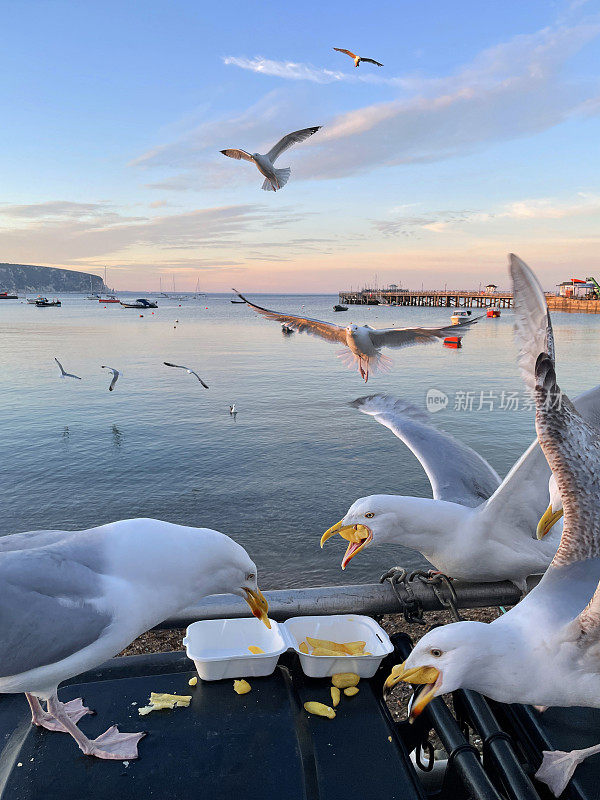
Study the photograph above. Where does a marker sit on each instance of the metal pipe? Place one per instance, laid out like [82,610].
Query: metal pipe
[369,599]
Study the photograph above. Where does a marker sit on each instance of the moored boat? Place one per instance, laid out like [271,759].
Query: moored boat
[141,302]
[453,341]
[109,299]
[338,307]
[459,316]
[493,312]
[43,302]
[7,296]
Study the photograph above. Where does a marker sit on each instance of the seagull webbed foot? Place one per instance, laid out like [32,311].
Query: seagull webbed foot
[74,709]
[558,766]
[113,745]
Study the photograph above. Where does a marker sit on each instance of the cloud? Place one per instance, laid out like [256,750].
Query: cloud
[296,71]
[545,208]
[54,208]
[84,235]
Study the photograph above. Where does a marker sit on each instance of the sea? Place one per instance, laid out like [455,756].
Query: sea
[295,456]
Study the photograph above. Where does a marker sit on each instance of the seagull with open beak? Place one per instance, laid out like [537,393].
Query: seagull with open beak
[357,536]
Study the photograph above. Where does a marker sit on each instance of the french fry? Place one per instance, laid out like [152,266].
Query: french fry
[320,709]
[193,681]
[344,679]
[241,687]
[303,647]
[355,648]
[255,650]
[324,644]
[325,651]
[178,699]
[335,696]
[350,691]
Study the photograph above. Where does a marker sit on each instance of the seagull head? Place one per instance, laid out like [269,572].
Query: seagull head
[445,659]
[382,518]
[554,511]
[370,519]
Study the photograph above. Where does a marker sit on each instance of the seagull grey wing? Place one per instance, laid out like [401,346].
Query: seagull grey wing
[32,539]
[60,366]
[371,61]
[195,374]
[48,609]
[456,472]
[406,337]
[347,52]
[314,327]
[238,154]
[177,366]
[522,497]
[289,140]
[533,328]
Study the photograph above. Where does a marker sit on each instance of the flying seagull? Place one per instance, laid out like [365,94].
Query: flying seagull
[72,599]
[357,59]
[362,344]
[64,374]
[187,369]
[544,651]
[274,178]
[115,377]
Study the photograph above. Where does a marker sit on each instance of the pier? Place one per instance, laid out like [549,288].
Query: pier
[448,298]
[460,298]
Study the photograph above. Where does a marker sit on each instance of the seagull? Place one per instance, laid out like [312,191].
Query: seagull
[187,369]
[64,374]
[357,59]
[232,409]
[72,599]
[544,651]
[115,377]
[362,344]
[274,178]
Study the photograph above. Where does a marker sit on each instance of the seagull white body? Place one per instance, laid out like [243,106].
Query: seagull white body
[64,374]
[275,179]
[362,343]
[115,377]
[72,599]
[544,651]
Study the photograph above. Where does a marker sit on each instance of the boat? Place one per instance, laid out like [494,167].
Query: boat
[141,302]
[493,312]
[340,308]
[92,295]
[7,296]
[453,341]
[43,302]
[458,316]
[33,300]
[109,299]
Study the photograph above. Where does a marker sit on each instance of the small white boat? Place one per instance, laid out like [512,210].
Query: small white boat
[459,316]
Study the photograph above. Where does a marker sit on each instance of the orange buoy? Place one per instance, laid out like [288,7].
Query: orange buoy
[453,341]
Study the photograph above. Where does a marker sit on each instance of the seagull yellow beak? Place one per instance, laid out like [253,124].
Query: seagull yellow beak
[430,677]
[356,535]
[258,603]
[547,521]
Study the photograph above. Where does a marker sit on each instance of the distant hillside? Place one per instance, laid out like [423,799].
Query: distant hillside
[24,278]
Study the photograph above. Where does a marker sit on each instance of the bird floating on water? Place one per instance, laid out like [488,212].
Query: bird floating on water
[357,59]
[274,178]
[115,377]
[544,651]
[72,599]
[187,369]
[362,344]
[232,409]
[64,374]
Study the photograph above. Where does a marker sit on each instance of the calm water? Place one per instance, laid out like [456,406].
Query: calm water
[73,455]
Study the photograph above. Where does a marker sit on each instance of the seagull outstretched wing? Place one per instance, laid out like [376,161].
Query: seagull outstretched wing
[64,374]
[405,337]
[287,141]
[238,154]
[347,52]
[371,61]
[187,369]
[314,327]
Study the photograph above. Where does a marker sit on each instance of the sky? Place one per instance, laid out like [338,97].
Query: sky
[479,136]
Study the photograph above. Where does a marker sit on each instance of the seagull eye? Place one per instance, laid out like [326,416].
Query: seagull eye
[369,515]
[435,652]
[250,576]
